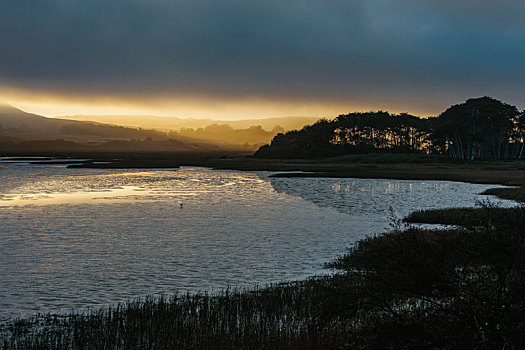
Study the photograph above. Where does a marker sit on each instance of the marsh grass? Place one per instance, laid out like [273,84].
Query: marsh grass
[512,193]
[380,158]
[458,216]
[285,316]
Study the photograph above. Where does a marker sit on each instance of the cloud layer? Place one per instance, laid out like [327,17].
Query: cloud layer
[421,54]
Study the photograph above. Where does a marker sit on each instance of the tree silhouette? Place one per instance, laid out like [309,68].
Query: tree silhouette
[353,133]
[480,128]
[483,128]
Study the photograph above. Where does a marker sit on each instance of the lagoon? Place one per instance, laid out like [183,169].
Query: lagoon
[77,238]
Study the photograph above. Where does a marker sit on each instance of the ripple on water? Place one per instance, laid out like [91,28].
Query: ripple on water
[91,237]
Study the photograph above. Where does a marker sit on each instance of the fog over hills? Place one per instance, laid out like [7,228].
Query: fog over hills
[139,132]
[26,132]
[174,123]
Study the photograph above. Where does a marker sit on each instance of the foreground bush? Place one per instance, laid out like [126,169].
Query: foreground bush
[461,288]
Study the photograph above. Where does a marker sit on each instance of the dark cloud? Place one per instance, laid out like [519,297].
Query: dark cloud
[419,52]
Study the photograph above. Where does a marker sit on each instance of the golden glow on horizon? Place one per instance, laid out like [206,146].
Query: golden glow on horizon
[186,107]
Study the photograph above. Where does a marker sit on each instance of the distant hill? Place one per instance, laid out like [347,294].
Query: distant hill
[175,124]
[17,123]
[21,131]
[26,131]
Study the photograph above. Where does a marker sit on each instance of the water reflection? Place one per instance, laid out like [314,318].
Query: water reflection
[373,197]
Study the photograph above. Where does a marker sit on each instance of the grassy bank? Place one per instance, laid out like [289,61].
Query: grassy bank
[515,194]
[387,166]
[374,165]
[469,217]
[407,289]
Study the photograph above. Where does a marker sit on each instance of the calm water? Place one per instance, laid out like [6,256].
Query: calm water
[76,238]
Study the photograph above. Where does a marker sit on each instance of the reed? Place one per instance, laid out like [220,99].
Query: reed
[513,193]
[282,316]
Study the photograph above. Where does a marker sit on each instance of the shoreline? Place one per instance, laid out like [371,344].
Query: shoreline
[501,173]
[510,173]
[506,175]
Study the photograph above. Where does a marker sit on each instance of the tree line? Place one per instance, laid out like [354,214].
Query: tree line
[480,128]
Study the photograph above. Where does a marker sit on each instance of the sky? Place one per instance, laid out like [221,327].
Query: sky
[234,59]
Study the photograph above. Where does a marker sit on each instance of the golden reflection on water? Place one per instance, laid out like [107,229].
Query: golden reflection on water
[124,194]
[134,173]
[118,187]
[114,195]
